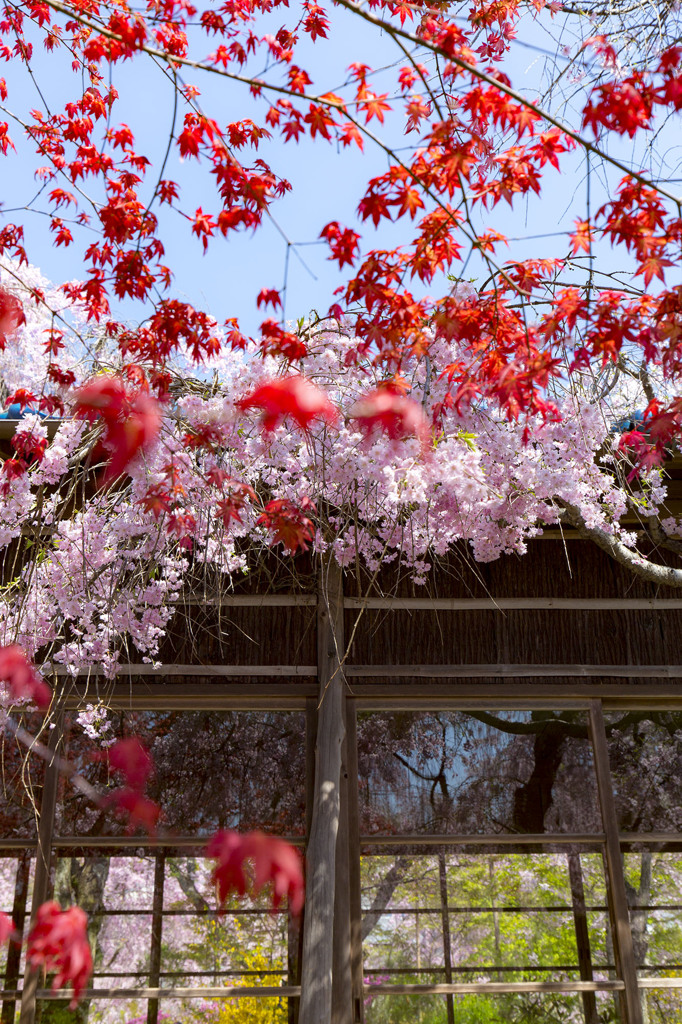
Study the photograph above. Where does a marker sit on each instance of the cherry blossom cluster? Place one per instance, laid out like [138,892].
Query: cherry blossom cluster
[128,496]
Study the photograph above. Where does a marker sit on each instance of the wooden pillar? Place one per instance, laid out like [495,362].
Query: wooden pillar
[621,933]
[582,935]
[42,884]
[319,947]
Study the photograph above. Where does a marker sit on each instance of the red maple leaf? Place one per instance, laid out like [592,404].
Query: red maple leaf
[269,296]
[6,928]
[131,422]
[58,941]
[581,237]
[274,862]
[134,762]
[386,410]
[11,315]
[134,807]
[22,678]
[137,430]
[23,398]
[228,875]
[290,396]
[278,863]
[288,523]
[102,396]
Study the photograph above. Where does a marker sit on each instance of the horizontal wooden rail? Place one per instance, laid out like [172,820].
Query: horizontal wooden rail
[219,671]
[474,604]
[513,671]
[428,604]
[495,987]
[249,601]
[525,839]
[413,839]
[394,671]
[151,842]
[196,992]
[659,982]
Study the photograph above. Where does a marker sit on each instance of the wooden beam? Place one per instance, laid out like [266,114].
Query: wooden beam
[439,694]
[228,696]
[139,842]
[200,992]
[513,671]
[218,671]
[495,987]
[463,671]
[13,966]
[342,983]
[475,604]
[157,928]
[522,839]
[447,943]
[355,873]
[431,604]
[248,601]
[660,982]
[199,842]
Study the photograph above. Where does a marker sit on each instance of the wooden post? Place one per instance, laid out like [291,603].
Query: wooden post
[623,950]
[42,882]
[318,926]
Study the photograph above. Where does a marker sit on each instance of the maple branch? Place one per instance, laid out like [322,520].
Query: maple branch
[173,59]
[393,31]
[259,84]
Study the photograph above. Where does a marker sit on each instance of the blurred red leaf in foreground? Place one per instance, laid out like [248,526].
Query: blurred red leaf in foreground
[274,862]
[292,396]
[22,678]
[386,410]
[135,763]
[11,315]
[58,941]
[6,928]
[131,421]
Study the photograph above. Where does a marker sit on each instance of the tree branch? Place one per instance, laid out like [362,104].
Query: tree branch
[632,560]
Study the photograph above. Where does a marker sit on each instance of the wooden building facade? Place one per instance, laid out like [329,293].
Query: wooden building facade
[485,774]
